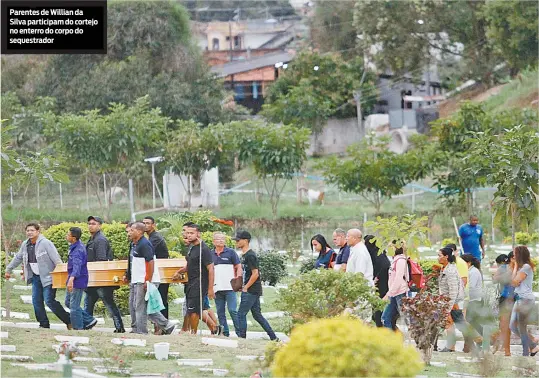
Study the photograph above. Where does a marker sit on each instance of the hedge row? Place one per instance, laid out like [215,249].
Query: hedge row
[114,231]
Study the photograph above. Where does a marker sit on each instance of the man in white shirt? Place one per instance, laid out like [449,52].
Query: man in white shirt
[360,259]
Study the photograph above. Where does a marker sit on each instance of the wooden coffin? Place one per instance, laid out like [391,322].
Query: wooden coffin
[110,273]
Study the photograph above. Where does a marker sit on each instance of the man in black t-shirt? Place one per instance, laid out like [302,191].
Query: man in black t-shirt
[252,288]
[200,276]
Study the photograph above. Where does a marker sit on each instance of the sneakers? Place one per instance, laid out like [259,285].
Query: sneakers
[169,330]
[446,350]
[91,325]
[218,331]
[119,330]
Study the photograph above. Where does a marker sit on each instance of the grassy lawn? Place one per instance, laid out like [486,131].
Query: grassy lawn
[38,342]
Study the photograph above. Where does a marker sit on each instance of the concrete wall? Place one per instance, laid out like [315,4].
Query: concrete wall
[336,136]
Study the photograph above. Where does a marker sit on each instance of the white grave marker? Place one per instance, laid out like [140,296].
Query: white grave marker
[8,348]
[220,342]
[73,339]
[195,362]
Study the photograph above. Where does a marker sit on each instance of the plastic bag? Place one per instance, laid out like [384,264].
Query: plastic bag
[153,297]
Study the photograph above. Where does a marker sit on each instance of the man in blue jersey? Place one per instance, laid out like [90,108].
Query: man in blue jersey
[471,236]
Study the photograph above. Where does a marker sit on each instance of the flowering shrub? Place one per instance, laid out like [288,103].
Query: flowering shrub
[428,314]
[344,347]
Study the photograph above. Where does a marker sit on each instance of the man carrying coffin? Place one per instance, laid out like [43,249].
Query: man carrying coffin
[227,266]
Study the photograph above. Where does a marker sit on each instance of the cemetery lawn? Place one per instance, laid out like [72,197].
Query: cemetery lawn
[38,344]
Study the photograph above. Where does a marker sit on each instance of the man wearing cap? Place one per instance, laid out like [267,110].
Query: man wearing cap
[252,288]
[98,249]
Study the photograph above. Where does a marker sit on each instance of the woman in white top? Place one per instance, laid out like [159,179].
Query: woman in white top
[525,300]
[475,312]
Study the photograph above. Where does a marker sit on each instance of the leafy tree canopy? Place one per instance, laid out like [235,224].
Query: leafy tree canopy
[315,87]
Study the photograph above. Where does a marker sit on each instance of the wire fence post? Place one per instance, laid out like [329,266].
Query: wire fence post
[11,194]
[38,199]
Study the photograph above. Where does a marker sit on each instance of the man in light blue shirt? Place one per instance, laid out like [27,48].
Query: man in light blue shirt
[471,236]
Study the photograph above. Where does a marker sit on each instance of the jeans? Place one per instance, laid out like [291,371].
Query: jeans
[251,302]
[392,309]
[519,323]
[79,318]
[138,310]
[46,294]
[228,298]
[106,294]
[468,332]
[163,290]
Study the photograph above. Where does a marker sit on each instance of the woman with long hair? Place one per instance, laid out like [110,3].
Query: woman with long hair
[398,286]
[451,286]
[326,255]
[503,277]
[524,299]
[474,312]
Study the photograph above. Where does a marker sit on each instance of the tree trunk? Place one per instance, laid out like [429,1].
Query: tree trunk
[513,224]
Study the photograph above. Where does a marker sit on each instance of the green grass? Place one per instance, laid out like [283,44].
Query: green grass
[517,93]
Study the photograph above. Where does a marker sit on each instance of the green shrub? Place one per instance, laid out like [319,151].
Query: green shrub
[344,347]
[269,353]
[524,238]
[427,266]
[307,265]
[174,255]
[447,241]
[326,293]
[121,297]
[272,267]
[171,226]
[57,235]
[114,231]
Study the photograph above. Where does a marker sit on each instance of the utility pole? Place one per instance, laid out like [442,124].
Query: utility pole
[357,97]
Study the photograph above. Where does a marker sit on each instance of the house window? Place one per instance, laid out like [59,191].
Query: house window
[215,44]
[237,42]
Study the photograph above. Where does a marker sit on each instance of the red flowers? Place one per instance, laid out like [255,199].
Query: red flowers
[223,221]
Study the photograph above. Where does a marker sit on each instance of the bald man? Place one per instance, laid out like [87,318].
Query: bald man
[360,259]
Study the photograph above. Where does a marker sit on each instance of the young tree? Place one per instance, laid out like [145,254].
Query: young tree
[458,175]
[22,169]
[276,153]
[414,231]
[192,149]
[376,173]
[509,161]
[114,144]
[454,179]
